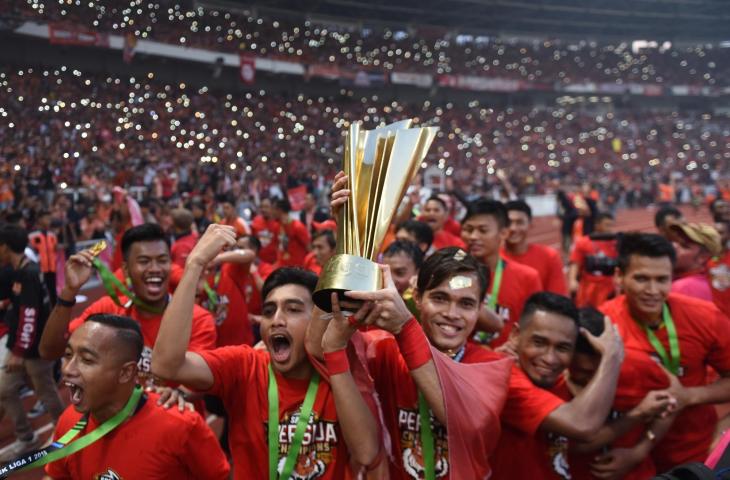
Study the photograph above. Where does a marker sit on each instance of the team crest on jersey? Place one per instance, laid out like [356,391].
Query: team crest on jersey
[558,454]
[318,446]
[108,475]
[409,423]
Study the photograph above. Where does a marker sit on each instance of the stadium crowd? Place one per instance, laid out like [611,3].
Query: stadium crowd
[427,50]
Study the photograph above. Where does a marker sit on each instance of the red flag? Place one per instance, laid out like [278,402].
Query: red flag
[297,197]
[248,69]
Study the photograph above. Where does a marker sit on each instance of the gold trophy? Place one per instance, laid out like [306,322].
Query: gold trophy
[380,164]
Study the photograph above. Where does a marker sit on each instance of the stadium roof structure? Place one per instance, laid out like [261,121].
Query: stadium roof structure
[689,20]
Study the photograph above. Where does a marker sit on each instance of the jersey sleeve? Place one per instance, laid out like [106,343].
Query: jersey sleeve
[556,281]
[201,453]
[527,405]
[577,255]
[719,355]
[203,335]
[300,232]
[30,309]
[229,366]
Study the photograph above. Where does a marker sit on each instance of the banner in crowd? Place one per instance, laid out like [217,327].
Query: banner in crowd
[422,80]
[72,35]
[363,79]
[578,88]
[330,72]
[297,197]
[247,69]
[130,45]
[465,82]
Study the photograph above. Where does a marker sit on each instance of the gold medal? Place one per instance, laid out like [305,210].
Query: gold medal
[98,247]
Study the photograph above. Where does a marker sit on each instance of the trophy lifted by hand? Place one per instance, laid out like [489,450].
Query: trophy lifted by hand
[379,164]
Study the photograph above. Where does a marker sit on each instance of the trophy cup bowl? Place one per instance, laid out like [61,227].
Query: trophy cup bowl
[380,164]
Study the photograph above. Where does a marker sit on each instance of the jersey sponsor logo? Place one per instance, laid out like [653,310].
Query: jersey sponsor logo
[558,453]
[409,424]
[108,475]
[318,446]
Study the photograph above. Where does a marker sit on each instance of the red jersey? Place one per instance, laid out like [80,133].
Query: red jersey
[241,380]
[202,336]
[293,244]
[453,227]
[526,407]
[443,239]
[518,283]
[182,247]
[253,294]
[230,313]
[311,264]
[155,444]
[704,339]
[639,375]
[548,264]
[239,224]
[719,275]
[596,260]
[267,231]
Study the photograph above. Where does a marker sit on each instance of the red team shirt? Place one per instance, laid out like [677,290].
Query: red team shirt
[253,294]
[704,339]
[182,247]
[231,312]
[311,264]
[241,381]
[526,407]
[202,337]
[548,264]
[594,287]
[518,283]
[267,231]
[296,237]
[444,238]
[155,444]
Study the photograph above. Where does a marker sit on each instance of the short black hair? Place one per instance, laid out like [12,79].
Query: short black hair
[289,275]
[14,236]
[592,320]
[227,198]
[438,199]
[328,235]
[254,241]
[660,218]
[519,206]
[649,245]
[548,302]
[487,206]
[409,249]
[282,203]
[420,231]
[448,262]
[129,333]
[601,216]
[147,232]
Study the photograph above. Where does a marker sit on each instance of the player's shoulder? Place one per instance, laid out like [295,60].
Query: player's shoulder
[684,305]
[519,270]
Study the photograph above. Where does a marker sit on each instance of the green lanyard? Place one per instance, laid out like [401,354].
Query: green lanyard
[62,449]
[213,299]
[496,284]
[484,337]
[304,414]
[112,283]
[427,447]
[671,361]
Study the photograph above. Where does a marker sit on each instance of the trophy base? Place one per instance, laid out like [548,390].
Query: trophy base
[343,273]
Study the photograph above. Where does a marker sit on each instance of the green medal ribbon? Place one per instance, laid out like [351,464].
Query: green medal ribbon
[213,299]
[62,448]
[484,337]
[304,414]
[112,284]
[427,446]
[671,361]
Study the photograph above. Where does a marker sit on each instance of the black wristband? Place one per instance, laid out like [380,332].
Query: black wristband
[66,303]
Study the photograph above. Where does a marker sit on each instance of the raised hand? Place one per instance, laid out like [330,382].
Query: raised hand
[77,270]
[215,239]
[340,193]
[609,343]
[389,311]
[341,327]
